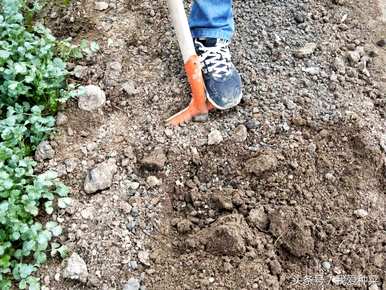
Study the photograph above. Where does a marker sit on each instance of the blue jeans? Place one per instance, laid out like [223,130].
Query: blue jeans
[212,19]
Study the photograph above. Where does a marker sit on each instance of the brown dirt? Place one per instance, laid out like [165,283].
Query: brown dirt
[263,213]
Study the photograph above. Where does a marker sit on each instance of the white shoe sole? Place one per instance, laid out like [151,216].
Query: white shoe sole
[223,108]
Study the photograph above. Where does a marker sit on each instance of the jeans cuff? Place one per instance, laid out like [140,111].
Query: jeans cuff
[212,33]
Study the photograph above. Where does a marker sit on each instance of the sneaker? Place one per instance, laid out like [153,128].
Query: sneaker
[222,80]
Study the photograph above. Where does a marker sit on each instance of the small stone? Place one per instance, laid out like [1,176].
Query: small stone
[252,124]
[306,50]
[100,177]
[361,213]
[126,162]
[87,213]
[133,265]
[329,176]
[326,265]
[222,201]
[373,287]
[373,53]
[91,98]
[129,153]
[202,118]
[312,70]
[46,280]
[336,280]
[155,160]
[261,164]
[70,132]
[258,218]
[226,240]
[312,148]
[115,66]
[379,260]
[153,181]
[361,50]
[184,226]
[133,185]
[299,18]
[75,268]
[275,267]
[100,6]
[215,137]
[126,207]
[61,119]
[135,211]
[131,223]
[80,71]
[71,165]
[227,236]
[211,280]
[143,257]
[168,132]
[285,127]
[240,134]
[353,56]
[44,151]
[340,65]
[132,284]
[113,73]
[228,267]
[130,88]
[290,104]
[382,42]
[204,283]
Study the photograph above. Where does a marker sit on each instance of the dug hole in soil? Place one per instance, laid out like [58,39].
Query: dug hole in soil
[288,185]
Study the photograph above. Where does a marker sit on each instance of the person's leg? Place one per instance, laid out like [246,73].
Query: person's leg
[212,19]
[212,26]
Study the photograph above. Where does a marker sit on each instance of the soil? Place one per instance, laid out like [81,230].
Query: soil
[275,204]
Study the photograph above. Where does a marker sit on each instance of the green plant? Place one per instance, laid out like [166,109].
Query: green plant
[22,194]
[32,83]
[29,69]
[32,66]
[68,51]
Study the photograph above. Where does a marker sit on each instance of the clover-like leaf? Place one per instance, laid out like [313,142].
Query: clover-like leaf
[54,228]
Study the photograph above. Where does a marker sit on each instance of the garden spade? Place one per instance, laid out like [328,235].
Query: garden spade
[199,106]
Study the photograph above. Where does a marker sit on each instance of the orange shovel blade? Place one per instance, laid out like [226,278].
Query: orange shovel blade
[184,116]
[188,114]
[198,105]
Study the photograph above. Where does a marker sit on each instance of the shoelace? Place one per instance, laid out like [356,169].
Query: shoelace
[216,59]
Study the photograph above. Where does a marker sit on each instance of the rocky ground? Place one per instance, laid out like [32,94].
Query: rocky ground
[286,191]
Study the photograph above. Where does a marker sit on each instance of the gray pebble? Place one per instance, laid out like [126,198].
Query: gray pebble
[44,151]
[132,284]
[134,265]
[61,119]
[326,265]
[91,98]
[130,88]
[215,137]
[135,211]
[252,124]
[361,213]
[131,223]
[299,18]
